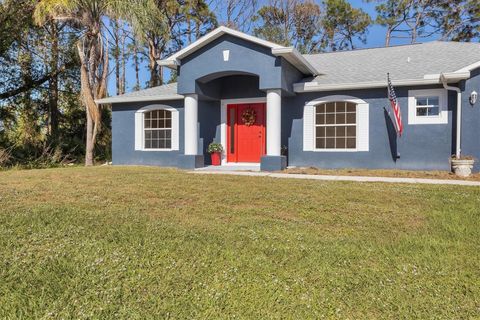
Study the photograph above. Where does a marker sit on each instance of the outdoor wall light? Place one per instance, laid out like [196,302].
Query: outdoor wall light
[473,97]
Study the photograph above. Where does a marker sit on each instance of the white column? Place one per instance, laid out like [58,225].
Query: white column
[274,120]
[191,124]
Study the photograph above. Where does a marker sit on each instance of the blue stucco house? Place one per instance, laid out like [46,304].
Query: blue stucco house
[271,106]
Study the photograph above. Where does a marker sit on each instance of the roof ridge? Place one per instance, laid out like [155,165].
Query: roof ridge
[389,47]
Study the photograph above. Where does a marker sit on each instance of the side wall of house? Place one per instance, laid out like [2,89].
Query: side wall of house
[471,119]
[123,133]
[422,146]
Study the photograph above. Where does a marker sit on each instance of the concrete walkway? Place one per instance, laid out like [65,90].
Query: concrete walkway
[342,178]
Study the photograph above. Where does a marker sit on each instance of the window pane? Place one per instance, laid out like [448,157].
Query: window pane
[341,131]
[340,118]
[341,106]
[161,144]
[148,134]
[168,134]
[340,143]
[433,111]
[321,108]
[168,144]
[148,144]
[320,143]
[320,132]
[351,118]
[320,119]
[351,107]
[330,132]
[330,107]
[147,123]
[148,115]
[422,101]
[433,101]
[330,118]
[351,131]
[351,143]
[168,123]
[330,143]
[161,134]
[154,144]
[422,112]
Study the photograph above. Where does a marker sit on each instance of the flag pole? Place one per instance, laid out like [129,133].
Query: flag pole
[395,122]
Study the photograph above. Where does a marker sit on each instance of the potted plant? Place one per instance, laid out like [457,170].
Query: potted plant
[462,166]
[215,149]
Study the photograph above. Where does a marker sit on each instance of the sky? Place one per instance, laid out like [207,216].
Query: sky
[375,38]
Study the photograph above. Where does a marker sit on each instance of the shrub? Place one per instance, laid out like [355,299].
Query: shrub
[214,147]
[4,157]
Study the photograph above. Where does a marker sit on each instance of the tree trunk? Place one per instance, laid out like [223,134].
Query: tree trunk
[90,140]
[136,63]
[116,56]
[152,65]
[388,36]
[92,82]
[53,85]
[123,57]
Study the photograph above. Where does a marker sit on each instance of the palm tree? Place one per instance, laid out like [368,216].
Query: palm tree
[88,16]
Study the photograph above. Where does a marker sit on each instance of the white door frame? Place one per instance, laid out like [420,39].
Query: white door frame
[223,119]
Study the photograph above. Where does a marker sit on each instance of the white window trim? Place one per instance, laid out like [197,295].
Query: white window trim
[139,127]
[442,117]
[362,134]
[223,119]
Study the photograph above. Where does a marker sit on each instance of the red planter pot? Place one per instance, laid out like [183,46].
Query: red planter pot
[216,158]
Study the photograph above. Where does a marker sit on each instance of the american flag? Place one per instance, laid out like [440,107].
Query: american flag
[395,106]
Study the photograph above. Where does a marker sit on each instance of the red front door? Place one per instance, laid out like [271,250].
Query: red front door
[245,132]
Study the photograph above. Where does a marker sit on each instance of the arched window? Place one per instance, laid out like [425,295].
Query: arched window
[336,125]
[157,129]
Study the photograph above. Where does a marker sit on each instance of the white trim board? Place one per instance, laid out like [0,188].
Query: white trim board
[314,86]
[223,120]
[139,99]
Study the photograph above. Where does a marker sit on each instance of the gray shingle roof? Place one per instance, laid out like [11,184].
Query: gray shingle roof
[164,92]
[402,62]
[363,66]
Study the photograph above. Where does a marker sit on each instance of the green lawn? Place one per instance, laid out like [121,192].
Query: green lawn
[132,242]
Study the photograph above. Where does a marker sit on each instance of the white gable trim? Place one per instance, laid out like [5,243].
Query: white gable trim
[139,132]
[217,33]
[296,59]
[289,53]
[363,126]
